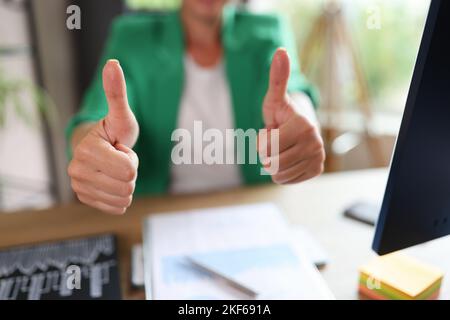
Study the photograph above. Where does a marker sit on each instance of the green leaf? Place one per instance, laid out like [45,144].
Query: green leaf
[20,108]
[11,95]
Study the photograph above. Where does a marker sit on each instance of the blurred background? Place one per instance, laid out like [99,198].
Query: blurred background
[360,54]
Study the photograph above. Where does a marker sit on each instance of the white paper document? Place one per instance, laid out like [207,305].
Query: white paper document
[248,244]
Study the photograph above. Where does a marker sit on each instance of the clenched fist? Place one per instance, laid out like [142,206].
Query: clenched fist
[300,154]
[103,170]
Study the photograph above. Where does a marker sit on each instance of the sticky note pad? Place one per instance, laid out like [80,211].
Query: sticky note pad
[396,276]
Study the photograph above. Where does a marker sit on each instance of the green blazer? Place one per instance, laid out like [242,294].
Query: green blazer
[150,48]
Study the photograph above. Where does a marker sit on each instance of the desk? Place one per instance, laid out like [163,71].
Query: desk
[317,205]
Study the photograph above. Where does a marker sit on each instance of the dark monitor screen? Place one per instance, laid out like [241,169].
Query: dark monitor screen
[416,206]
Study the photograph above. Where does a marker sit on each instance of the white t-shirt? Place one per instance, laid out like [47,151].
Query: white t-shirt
[206,98]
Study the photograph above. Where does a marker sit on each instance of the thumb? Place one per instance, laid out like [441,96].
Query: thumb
[120,123]
[279,76]
[116,91]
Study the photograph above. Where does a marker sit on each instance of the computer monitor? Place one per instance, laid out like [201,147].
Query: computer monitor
[416,205]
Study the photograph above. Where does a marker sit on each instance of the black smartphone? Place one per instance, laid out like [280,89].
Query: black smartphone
[363,212]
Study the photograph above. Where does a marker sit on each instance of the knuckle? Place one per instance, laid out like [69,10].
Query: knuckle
[82,153]
[278,178]
[318,146]
[311,133]
[316,143]
[320,143]
[135,159]
[116,211]
[71,169]
[127,189]
[128,201]
[318,170]
[129,171]
[81,198]
[76,171]
[309,129]
[322,156]
[124,202]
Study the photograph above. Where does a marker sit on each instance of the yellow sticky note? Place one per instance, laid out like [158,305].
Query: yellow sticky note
[403,273]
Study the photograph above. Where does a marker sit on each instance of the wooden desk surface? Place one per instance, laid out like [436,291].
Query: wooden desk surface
[317,205]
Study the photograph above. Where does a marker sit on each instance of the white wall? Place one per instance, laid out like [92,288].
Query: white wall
[22,150]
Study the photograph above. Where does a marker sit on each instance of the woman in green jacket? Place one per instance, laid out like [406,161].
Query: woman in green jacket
[207,64]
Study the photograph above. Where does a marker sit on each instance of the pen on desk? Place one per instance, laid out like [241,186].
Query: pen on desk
[232,283]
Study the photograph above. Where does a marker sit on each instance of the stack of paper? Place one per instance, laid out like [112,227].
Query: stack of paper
[247,245]
[397,277]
